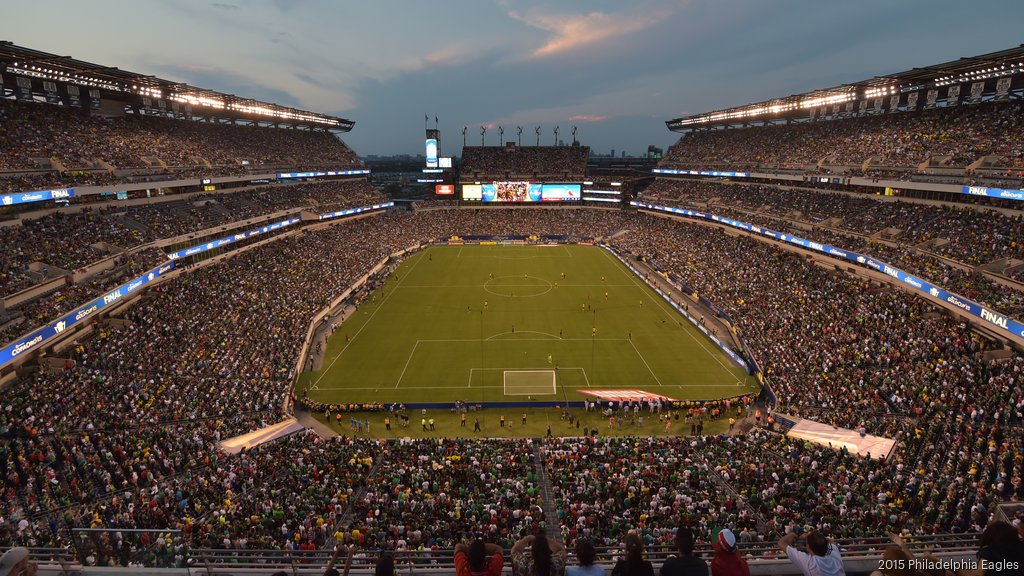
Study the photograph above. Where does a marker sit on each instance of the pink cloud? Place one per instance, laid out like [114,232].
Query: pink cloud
[588,118]
[573,31]
[445,56]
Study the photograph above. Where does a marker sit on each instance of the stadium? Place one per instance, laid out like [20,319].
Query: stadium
[228,350]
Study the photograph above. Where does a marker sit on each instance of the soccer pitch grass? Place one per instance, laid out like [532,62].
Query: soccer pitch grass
[484,323]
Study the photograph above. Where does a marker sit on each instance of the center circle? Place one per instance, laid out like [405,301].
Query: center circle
[518,286]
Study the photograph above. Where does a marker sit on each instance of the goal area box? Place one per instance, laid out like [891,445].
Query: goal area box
[529,382]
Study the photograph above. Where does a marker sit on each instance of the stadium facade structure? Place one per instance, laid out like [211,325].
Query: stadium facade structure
[26,74]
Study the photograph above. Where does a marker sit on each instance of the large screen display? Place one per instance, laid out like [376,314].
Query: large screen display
[560,192]
[511,192]
[504,192]
[431,153]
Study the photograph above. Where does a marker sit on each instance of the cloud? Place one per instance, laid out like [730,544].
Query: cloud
[573,31]
[447,56]
[588,118]
[225,6]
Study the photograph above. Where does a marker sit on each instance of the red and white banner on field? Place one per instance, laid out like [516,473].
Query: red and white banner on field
[625,395]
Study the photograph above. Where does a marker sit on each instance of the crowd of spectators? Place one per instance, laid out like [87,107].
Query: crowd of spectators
[175,218]
[607,487]
[79,139]
[859,224]
[186,356]
[510,161]
[869,348]
[62,240]
[961,133]
[66,240]
[36,312]
[430,493]
[189,367]
[139,224]
[12,182]
[840,350]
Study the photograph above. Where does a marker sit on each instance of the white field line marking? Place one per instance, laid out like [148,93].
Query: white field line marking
[671,315]
[402,375]
[367,323]
[553,337]
[407,389]
[471,370]
[644,360]
[554,385]
[516,286]
[523,339]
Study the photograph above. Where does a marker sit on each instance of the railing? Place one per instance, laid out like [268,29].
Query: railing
[56,560]
[859,555]
[764,558]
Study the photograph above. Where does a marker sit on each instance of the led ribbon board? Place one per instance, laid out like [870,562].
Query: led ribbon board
[35,339]
[993,192]
[990,317]
[351,211]
[37,196]
[287,175]
[200,248]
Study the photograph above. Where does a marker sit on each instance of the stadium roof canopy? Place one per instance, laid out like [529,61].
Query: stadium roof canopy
[998,73]
[118,84]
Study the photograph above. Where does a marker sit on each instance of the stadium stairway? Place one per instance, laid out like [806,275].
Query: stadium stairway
[131,223]
[906,232]
[346,517]
[550,514]
[727,488]
[218,208]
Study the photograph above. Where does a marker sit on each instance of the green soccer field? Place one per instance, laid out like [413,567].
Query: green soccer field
[517,323]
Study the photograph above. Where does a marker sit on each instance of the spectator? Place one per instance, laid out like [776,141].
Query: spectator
[822,557]
[685,563]
[350,553]
[385,565]
[15,562]
[586,555]
[633,562]
[524,162]
[538,556]
[727,560]
[960,133]
[478,559]
[1002,551]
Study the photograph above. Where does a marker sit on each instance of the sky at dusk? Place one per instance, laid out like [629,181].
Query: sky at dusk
[616,70]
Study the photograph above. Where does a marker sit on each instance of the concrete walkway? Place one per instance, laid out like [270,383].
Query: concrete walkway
[305,417]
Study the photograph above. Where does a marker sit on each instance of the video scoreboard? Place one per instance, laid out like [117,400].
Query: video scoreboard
[519,192]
